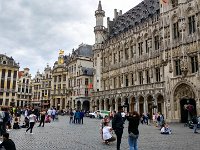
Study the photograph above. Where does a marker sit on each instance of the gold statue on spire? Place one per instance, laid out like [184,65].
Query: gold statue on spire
[61,52]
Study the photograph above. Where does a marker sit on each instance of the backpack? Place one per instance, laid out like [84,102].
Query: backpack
[158,119]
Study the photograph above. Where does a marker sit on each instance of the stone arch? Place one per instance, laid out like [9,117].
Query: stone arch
[97,104]
[86,105]
[160,103]
[132,104]
[78,105]
[183,95]
[107,104]
[119,101]
[102,104]
[112,103]
[141,104]
[125,103]
[150,105]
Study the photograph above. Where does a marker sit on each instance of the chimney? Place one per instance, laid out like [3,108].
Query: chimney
[115,14]
[120,12]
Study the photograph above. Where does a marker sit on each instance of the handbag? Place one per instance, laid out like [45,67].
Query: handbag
[133,135]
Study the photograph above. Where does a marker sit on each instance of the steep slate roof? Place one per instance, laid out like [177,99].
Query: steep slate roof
[84,50]
[134,16]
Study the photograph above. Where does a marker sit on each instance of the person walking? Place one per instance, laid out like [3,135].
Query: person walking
[42,118]
[32,120]
[134,119]
[53,114]
[118,126]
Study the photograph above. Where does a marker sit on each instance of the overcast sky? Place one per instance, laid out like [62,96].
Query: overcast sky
[33,31]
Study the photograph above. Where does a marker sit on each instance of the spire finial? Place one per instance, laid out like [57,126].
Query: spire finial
[99,6]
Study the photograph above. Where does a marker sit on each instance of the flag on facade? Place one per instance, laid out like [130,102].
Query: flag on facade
[90,86]
[163,1]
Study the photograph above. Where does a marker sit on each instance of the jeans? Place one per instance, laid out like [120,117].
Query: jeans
[31,125]
[119,133]
[132,143]
[195,128]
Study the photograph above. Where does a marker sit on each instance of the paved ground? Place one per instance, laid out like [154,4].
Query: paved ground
[61,135]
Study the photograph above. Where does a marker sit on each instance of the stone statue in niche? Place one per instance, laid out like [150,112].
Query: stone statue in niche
[149,43]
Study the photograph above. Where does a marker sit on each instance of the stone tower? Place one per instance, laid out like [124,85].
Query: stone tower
[100,34]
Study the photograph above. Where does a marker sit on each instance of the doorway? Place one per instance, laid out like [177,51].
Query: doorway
[187,114]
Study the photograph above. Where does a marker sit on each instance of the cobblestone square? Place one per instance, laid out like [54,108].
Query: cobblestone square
[60,135]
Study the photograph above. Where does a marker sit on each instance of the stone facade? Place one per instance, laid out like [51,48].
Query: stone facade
[24,92]
[147,59]
[8,80]
[36,89]
[41,84]
[71,76]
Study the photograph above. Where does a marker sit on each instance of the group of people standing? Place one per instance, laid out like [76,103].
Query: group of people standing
[118,121]
[76,116]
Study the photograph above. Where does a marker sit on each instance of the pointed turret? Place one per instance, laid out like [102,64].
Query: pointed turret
[99,29]
[99,6]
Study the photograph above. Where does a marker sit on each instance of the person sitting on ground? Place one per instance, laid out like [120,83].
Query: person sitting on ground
[7,143]
[16,123]
[165,129]
[103,121]
[107,136]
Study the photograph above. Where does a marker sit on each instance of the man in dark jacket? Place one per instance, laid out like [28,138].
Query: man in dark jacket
[117,125]
[7,143]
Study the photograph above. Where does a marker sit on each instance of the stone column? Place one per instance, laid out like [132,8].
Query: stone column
[116,105]
[105,107]
[145,105]
[100,104]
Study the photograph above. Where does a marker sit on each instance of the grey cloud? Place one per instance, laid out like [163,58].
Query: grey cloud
[32,31]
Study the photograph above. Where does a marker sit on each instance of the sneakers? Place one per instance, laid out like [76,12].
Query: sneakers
[195,132]
[107,143]
[32,133]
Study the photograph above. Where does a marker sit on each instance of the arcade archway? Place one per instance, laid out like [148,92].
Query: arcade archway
[184,102]
[86,105]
